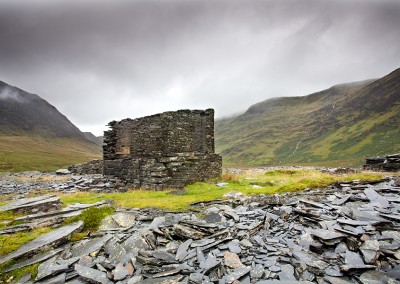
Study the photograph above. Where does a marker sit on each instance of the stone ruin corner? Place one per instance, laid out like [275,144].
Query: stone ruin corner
[166,150]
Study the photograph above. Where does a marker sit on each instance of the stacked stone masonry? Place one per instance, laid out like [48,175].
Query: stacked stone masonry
[90,168]
[167,150]
[389,163]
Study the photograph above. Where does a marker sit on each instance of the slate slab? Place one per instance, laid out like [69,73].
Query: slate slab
[92,275]
[53,238]
[35,259]
[42,203]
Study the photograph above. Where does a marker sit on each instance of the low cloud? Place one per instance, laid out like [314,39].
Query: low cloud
[7,93]
[102,60]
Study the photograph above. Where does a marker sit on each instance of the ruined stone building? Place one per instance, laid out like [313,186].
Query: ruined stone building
[166,150]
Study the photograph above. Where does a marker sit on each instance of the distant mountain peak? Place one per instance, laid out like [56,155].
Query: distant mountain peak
[23,112]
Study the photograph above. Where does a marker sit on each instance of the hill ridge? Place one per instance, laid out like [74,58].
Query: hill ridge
[314,129]
[34,135]
[27,112]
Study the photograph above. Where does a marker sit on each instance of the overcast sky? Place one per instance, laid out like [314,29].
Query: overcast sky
[98,61]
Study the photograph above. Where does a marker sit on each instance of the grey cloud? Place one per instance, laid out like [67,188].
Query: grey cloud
[103,60]
[7,94]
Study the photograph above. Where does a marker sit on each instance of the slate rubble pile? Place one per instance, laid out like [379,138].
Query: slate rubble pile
[41,211]
[23,183]
[344,234]
[387,163]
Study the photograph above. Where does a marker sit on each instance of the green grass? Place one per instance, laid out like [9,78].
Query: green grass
[13,276]
[91,217]
[6,217]
[310,131]
[271,182]
[26,153]
[9,243]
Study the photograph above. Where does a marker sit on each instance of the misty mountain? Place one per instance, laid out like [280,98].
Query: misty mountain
[34,135]
[95,139]
[21,111]
[338,126]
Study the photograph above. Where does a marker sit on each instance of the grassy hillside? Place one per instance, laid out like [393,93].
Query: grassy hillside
[25,153]
[339,126]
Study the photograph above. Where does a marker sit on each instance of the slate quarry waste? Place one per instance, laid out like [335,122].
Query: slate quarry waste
[386,163]
[347,233]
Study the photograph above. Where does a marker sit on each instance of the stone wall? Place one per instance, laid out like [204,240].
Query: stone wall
[389,163]
[166,150]
[89,168]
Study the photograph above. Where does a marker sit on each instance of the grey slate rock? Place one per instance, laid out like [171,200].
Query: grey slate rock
[237,274]
[53,238]
[164,280]
[59,279]
[376,277]
[183,250]
[287,272]
[35,259]
[92,275]
[90,246]
[370,251]
[63,172]
[120,272]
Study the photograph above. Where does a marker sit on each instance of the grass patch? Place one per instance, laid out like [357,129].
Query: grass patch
[91,217]
[250,182]
[9,243]
[6,217]
[78,236]
[26,153]
[81,197]
[14,276]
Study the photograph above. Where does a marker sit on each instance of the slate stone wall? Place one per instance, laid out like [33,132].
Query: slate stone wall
[390,163]
[89,168]
[166,150]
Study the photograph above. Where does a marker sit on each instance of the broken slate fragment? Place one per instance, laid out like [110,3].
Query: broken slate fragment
[370,251]
[326,236]
[237,274]
[232,260]
[287,273]
[376,277]
[354,262]
[37,258]
[59,279]
[50,268]
[183,250]
[92,275]
[90,246]
[167,273]
[257,271]
[210,263]
[120,272]
[33,205]
[163,280]
[53,238]
[186,232]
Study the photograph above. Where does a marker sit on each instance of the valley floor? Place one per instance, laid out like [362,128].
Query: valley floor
[340,232]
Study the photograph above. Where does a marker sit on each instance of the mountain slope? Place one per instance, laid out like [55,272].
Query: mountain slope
[95,139]
[338,126]
[22,111]
[34,135]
